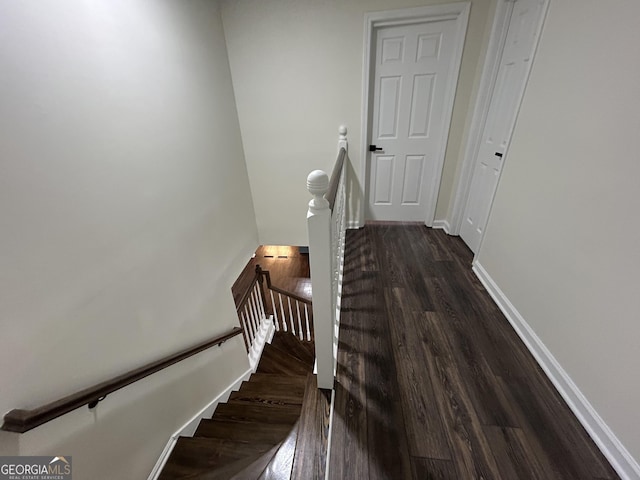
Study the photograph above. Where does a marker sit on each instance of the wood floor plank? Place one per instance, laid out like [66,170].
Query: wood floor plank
[433,469]
[425,430]
[514,457]
[313,429]
[471,450]
[386,424]
[350,458]
[562,439]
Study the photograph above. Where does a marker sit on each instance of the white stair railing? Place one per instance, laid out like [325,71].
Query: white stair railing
[257,325]
[326,223]
[290,311]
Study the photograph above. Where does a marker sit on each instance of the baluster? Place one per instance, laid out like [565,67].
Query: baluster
[261,293]
[247,319]
[245,332]
[306,316]
[291,319]
[253,317]
[284,317]
[256,294]
[255,303]
[256,306]
[275,311]
[262,302]
[299,320]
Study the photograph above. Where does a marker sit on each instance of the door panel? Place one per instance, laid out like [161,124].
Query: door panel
[389,104]
[522,35]
[413,67]
[421,100]
[383,173]
[411,187]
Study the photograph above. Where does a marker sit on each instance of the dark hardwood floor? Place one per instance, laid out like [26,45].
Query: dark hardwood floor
[432,381]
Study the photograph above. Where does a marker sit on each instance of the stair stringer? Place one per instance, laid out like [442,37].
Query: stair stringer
[264,335]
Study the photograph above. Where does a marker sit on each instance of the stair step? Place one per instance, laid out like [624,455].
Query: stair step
[272,433]
[199,455]
[246,469]
[273,394]
[313,433]
[278,379]
[252,412]
[279,468]
[275,360]
[303,351]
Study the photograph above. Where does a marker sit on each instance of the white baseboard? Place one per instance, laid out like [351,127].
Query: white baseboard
[443,225]
[189,428]
[621,460]
[353,225]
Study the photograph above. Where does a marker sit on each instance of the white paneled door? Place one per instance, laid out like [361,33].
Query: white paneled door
[519,47]
[415,73]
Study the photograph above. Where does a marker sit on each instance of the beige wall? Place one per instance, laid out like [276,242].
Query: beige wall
[297,74]
[562,241]
[125,216]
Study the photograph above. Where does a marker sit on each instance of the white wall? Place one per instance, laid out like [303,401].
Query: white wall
[563,242]
[297,73]
[125,217]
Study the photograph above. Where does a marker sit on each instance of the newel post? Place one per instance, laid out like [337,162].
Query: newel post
[260,277]
[319,228]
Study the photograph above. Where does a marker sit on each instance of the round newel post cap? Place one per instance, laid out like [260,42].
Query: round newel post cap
[342,130]
[318,183]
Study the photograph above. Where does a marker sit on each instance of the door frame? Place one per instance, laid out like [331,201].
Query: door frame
[458,11]
[497,39]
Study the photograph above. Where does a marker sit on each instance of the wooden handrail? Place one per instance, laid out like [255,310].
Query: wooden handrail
[21,421]
[247,293]
[259,271]
[335,179]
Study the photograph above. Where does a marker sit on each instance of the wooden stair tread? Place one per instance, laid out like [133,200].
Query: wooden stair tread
[275,391]
[303,351]
[192,456]
[275,360]
[247,468]
[248,412]
[313,433]
[279,468]
[278,379]
[243,431]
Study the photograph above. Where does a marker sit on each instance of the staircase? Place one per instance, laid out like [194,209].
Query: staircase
[274,427]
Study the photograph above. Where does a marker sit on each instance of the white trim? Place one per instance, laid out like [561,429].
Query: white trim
[189,428]
[459,12]
[264,335]
[442,225]
[328,459]
[354,225]
[621,460]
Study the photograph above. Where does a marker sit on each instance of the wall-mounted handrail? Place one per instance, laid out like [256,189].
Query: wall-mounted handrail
[20,421]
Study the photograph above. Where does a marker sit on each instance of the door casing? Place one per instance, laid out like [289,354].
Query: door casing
[459,12]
